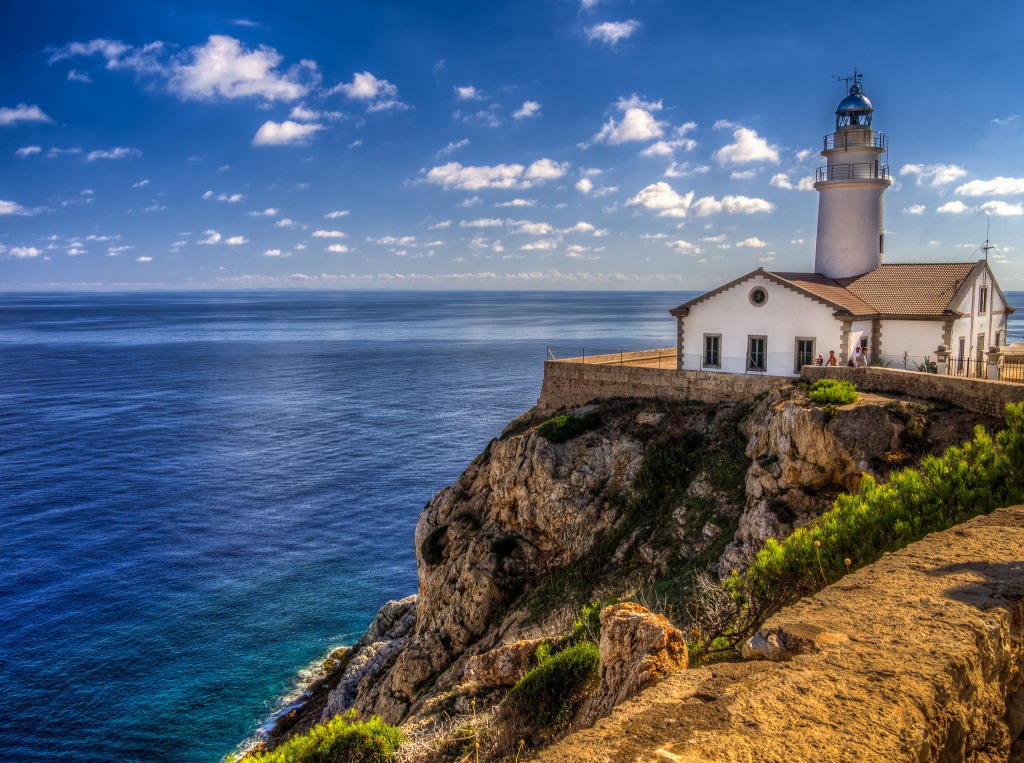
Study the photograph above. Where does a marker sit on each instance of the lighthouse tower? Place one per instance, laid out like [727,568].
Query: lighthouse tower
[851,220]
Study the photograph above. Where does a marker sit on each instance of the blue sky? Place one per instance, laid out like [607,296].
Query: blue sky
[598,144]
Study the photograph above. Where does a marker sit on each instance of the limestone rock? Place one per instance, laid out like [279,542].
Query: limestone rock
[375,650]
[503,666]
[638,649]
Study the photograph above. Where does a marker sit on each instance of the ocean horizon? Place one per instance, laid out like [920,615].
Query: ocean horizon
[205,492]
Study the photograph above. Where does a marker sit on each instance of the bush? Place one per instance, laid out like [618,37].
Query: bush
[962,483]
[341,740]
[563,428]
[832,392]
[550,694]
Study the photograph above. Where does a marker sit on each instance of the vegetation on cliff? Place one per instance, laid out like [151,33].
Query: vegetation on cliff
[341,740]
[965,481]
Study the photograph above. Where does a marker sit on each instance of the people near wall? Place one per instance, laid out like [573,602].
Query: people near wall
[820,360]
[832,361]
[860,358]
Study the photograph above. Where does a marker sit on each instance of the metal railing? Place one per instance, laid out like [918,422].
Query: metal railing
[664,358]
[857,139]
[859,171]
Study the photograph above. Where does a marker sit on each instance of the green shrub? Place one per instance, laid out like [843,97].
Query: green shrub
[830,411]
[962,483]
[832,392]
[563,428]
[550,694]
[340,740]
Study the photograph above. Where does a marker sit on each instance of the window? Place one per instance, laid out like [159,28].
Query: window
[881,243]
[982,300]
[758,296]
[712,351]
[960,357]
[999,339]
[804,353]
[757,353]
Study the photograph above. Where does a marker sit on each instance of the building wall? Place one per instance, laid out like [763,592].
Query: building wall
[975,322]
[978,395]
[568,384]
[919,339]
[785,316]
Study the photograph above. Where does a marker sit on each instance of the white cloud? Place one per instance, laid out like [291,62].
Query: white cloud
[233,198]
[540,245]
[24,252]
[661,197]
[272,253]
[452,147]
[934,174]
[1001,209]
[224,68]
[144,258]
[22,113]
[742,174]
[336,214]
[527,110]
[578,251]
[781,180]
[236,241]
[55,152]
[581,227]
[747,146]
[328,234]
[287,133]
[338,248]
[488,222]
[468,93]
[141,184]
[441,225]
[998,186]
[754,243]
[612,32]
[455,176]
[28,151]
[731,205]
[637,124]
[13,208]
[953,208]
[584,185]
[684,247]
[531,228]
[304,113]
[113,251]
[683,170]
[379,94]
[393,240]
[212,237]
[517,203]
[268,212]
[914,209]
[114,153]
[76,76]
[472,201]
[286,222]
[668,148]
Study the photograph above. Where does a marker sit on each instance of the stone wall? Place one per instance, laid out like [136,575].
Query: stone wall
[978,395]
[569,384]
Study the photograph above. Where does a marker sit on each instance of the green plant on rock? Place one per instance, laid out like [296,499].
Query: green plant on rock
[549,695]
[341,740]
[565,427]
[832,392]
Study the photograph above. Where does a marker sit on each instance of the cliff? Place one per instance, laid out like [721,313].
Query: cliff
[917,658]
[620,499]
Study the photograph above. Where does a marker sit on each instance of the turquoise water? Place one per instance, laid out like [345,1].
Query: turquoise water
[204,492]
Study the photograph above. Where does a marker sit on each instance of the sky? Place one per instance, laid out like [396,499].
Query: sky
[541,144]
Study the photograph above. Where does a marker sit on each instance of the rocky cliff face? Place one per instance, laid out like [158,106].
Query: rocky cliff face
[650,494]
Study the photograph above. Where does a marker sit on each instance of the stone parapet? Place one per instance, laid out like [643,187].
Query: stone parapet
[568,384]
[977,395]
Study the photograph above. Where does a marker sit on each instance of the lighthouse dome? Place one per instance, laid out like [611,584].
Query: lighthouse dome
[854,110]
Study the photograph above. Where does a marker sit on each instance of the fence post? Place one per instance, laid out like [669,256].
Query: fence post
[993,363]
[942,362]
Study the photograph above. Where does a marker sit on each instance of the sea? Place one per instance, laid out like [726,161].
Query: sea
[202,494]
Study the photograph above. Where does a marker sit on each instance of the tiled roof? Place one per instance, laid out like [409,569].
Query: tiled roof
[911,289]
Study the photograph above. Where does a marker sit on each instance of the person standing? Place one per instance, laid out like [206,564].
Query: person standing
[831,359]
[859,358]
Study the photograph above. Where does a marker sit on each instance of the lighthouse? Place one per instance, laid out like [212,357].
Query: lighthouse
[851,218]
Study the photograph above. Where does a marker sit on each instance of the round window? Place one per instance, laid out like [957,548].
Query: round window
[758,296]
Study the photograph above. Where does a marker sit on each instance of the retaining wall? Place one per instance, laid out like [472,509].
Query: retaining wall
[977,395]
[569,384]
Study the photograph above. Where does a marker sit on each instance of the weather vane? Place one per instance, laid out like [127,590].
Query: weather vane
[855,78]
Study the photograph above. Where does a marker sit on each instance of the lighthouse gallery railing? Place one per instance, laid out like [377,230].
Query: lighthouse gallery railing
[860,171]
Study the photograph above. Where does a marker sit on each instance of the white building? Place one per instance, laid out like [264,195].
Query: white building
[899,314]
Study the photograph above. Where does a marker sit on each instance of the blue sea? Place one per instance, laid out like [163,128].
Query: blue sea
[203,493]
